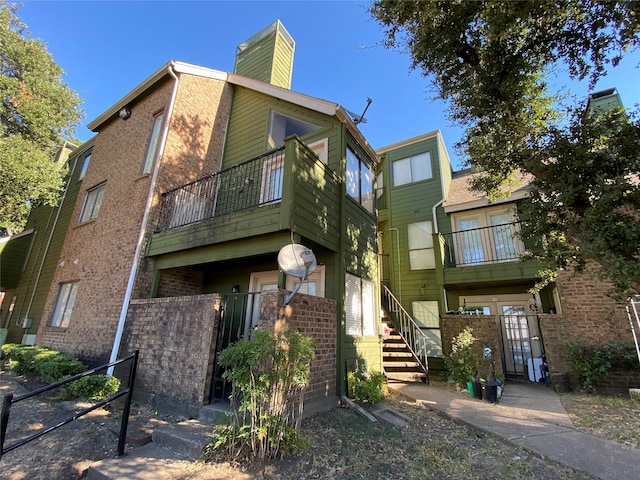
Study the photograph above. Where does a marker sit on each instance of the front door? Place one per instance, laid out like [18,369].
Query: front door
[521,342]
[522,349]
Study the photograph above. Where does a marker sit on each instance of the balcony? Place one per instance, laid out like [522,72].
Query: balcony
[482,246]
[268,196]
[250,184]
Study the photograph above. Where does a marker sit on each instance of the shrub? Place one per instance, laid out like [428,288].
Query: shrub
[268,372]
[54,366]
[94,387]
[589,362]
[462,363]
[367,387]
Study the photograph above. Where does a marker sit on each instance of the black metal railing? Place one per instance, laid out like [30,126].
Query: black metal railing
[407,328]
[10,400]
[252,183]
[497,243]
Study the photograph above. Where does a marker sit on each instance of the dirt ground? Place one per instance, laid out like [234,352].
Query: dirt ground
[343,445]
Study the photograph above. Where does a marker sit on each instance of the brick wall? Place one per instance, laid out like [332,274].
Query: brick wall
[589,316]
[175,337]
[314,316]
[99,254]
[484,328]
[176,282]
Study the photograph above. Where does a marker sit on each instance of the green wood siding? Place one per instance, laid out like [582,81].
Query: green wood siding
[249,126]
[495,273]
[407,204]
[13,253]
[50,226]
[315,195]
[268,59]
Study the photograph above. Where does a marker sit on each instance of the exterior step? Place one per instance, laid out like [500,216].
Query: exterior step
[174,447]
[406,377]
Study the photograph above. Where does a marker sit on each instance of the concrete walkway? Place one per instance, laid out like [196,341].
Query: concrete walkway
[532,416]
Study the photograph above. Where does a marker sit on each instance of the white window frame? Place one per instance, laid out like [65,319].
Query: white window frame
[412,169]
[420,246]
[360,312]
[85,166]
[359,175]
[64,305]
[321,149]
[279,130]
[154,139]
[489,253]
[92,203]
[270,193]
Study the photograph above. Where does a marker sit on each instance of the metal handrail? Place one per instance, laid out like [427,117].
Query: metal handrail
[407,328]
[477,246]
[9,400]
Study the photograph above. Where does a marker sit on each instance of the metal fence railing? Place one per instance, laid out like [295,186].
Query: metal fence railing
[246,185]
[9,400]
[497,243]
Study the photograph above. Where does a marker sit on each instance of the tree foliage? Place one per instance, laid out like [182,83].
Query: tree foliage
[492,62]
[37,111]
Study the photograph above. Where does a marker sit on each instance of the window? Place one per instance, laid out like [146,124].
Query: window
[153,143]
[412,169]
[360,306]
[272,176]
[359,181]
[487,236]
[421,255]
[85,165]
[379,185]
[64,305]
[281,126]
[92,203]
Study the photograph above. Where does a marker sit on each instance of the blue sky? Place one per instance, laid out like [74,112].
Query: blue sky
[106,48]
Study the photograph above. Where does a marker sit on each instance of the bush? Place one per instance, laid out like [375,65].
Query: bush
[268,373]
[589,362]
[94,387]
[367,387]
[462,363]
[54,366]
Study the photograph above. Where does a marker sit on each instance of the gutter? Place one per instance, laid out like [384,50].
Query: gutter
[145,220]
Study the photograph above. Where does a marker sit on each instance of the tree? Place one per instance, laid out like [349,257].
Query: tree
[491,61]
[37,111]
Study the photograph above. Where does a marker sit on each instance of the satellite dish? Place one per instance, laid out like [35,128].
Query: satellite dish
[298,261]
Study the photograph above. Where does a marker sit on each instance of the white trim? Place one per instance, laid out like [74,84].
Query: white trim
[321,148]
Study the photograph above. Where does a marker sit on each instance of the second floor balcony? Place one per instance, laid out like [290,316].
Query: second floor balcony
[288,188]
[482,246]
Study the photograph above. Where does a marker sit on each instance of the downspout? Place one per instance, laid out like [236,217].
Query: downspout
[435,218]
[143,228]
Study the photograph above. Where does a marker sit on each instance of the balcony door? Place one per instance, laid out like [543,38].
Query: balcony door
[486,236]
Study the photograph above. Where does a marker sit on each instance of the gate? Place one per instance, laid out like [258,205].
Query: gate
[237,315]
[522,346]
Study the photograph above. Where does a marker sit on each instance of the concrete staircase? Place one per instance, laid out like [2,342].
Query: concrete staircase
[173,448]
[398,361]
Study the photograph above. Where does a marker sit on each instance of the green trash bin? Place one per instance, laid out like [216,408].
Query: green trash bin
[470,388]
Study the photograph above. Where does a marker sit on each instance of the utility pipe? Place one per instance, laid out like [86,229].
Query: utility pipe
[143,228]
